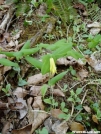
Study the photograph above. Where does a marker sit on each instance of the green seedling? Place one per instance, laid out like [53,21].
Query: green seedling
[97,110]
[63,107]
[74,95]
[51,101]
[7,89]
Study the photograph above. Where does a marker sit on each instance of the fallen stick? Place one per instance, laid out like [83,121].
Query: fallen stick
[6,19]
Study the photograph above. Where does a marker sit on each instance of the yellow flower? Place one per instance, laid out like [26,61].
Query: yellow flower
[52,67]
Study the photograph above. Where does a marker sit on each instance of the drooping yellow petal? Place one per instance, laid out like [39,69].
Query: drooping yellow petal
[52,67]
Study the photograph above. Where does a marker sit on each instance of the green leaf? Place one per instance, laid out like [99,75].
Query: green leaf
[22,82]
[7,62]
[74,54]
[26,45]
[70,99]
[36,63]
[78,91]
[9,54]
[79,107]
[17,69]
[95,41]
[44,90]
[62,51]
[64,116]
[78,118]
[45,64]
[62,105]
[57,78]
[29,51]
[8,86]
[78,100]
[48,101]
[18,55]
[4,90]
[58,44]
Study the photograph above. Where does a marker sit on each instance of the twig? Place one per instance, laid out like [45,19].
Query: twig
[41,111]
[72,109]
[81,103]
[84,96]
[74,85]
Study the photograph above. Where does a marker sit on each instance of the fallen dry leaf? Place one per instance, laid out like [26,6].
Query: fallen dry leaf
[79,6]
[66,61]
[3,106]
[1,2]
[55,113]
[82,73]
[39,120]
[7,127]
[6,68]
[94,24]
[95,31]
[42,10]
[18,105]
[75,126]
[94,118]
[58,92]
[87,109]
[95,28]
[95,61]
[38,78]
[2,56]
[48,124]
[38,103]
[20,92]
[17,36]
[60,128]
[35,90]
[24,130]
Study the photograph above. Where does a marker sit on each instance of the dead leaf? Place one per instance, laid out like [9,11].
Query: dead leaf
[55,113]
[95,28]
[82,74]
[17,36]
[20,92]
[6,68]
[75,126]
[79,6]
[2,56]
[3,42]
[58,92]
[60,128]
[48,124]
[35,90]
[1,2]
[20,106]
[38,78]
[94,118]
[11,44]
[38,102]
[24,130]
[87,109]
[95,31]
[39,120]
[42,10]
[3,106]
[7,127]
[7,37]
[95,61]
[94,24]
[66,61]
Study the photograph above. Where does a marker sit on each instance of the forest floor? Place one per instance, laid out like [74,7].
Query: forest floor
[50,67]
